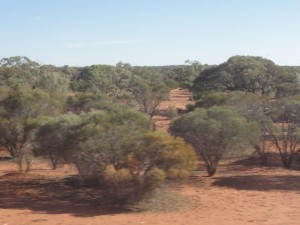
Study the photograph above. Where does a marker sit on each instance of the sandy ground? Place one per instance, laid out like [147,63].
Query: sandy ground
[241,193]
[238,194]
[179,98]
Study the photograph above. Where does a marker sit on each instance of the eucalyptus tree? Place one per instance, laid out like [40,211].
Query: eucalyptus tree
[243,73]
[286,132]
[114,149]
[215,133]
[186,74]
[149,96]
[21,110]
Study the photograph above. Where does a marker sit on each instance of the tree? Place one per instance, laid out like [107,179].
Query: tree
[99,78]
[185,75]
[51,138]
[88,101]
[286,133]
[215,132]
[116,151]
[256,108]
[20,112]
[18,75]
[243,73]
[149,96]
[18,61]
[210,99]
[55,84]
[279,123]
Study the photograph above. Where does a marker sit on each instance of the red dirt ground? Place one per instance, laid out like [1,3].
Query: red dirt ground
[179,98]
[238,194]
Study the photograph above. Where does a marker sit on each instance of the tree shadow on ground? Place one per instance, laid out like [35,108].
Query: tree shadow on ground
[260,182]
[52,197]
[273,161]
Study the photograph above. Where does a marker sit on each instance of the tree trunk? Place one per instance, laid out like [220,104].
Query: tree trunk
[287,161]
[151,124]
[211,163]
[262,155]
[54,165]
[211,169]
[54,161]
[12,152]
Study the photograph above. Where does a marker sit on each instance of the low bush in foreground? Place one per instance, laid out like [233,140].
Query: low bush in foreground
[116,151]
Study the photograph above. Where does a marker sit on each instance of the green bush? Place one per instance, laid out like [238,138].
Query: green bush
[116,151]
[153,178]
[114,177]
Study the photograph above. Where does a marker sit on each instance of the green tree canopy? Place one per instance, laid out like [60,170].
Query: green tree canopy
[116,149]
[20,111]
[243,73]
[216,132]
[149,95]
[286,132]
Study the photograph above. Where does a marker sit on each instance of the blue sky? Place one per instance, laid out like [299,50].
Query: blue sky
[149,32]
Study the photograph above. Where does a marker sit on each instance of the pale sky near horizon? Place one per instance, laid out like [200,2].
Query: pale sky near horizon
[149,32]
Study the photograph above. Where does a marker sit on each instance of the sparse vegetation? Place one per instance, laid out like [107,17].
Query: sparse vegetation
[116,151]
[100,119]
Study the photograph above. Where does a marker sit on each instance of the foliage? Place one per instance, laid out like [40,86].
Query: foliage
[18,61]
[278,120]
[109,80]
[51,138]
[116,150]
[186,74]
[290,85]
[286,133]
[88,101]
[256,108]
[243,73]
[216,132]
[55,84]
[149,95]
[20,112]
[211,99]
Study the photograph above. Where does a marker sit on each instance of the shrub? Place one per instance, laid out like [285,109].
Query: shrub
[114,177]
[153,178]
[116,151]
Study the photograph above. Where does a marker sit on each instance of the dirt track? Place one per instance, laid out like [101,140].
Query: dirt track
[179,98]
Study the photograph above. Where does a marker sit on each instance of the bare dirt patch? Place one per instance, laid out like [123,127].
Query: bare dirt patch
[179,98]
[240,193]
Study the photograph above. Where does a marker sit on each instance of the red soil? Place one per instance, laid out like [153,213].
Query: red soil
[179,98]
[239,194]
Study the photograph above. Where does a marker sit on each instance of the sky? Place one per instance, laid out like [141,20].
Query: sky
[149,32]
